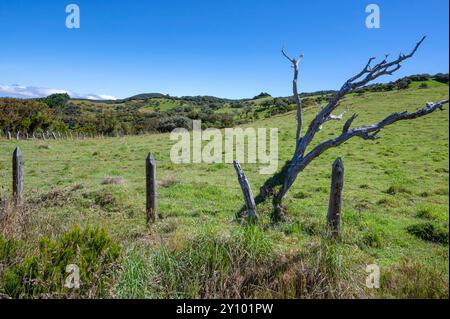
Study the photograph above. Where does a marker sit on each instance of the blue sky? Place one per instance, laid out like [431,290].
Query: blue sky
[223,48]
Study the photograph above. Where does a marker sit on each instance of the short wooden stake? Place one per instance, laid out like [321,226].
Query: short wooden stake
[17,177]
[151,203]
[335,204]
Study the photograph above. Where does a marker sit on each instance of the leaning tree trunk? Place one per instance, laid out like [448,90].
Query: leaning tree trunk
[247,191]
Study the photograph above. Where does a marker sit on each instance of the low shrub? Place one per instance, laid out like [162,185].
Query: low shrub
[372,239]
[170,123]
[44,275]
[397,189]
[8,248]
[429,211]
[430,232]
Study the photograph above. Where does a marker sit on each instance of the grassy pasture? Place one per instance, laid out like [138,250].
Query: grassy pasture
[391,184]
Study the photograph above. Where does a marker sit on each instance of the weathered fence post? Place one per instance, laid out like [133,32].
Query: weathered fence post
[335,204]
[248,195]
[17,177]
[9,135]
[150,173]
[18,135]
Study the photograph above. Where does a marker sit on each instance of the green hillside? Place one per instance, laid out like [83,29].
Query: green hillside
[198,249]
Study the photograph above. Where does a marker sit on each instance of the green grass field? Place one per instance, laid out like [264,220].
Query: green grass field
[197,249]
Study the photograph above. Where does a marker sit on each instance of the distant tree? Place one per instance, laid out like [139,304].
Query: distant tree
[247,109]
[18,114]
[403,84]
[440,77]
[171,123]
[261,95]
[419,77]
[57,100]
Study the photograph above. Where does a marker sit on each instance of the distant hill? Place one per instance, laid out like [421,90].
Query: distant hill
[156,112]
[145,96]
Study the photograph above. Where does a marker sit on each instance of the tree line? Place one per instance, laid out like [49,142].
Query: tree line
[59,113]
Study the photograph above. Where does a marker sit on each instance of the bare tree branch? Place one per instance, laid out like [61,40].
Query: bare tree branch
[348,123]
[370,132]
[339,117]
[295,62]
[333,117]
[369,73]
[366,132]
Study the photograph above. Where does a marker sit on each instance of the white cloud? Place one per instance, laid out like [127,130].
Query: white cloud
[18,91]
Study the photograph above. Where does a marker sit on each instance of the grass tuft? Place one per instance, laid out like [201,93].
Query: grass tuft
[113,180]
[429,232]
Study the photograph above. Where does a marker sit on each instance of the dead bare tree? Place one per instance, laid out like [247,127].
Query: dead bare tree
[301,159]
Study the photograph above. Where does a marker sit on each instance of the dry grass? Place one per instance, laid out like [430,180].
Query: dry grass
[416,280]
[113,180]
[15,221]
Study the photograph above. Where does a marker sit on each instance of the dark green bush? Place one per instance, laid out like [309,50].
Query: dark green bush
[403,83]
[430,232]
[171,123]
[57,100]
[92,250]
[440,77]
[419,77]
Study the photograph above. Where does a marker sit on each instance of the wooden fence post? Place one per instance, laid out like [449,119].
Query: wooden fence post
[9,135]
[151,204]
[247,191]
[335,204]
[17,177]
